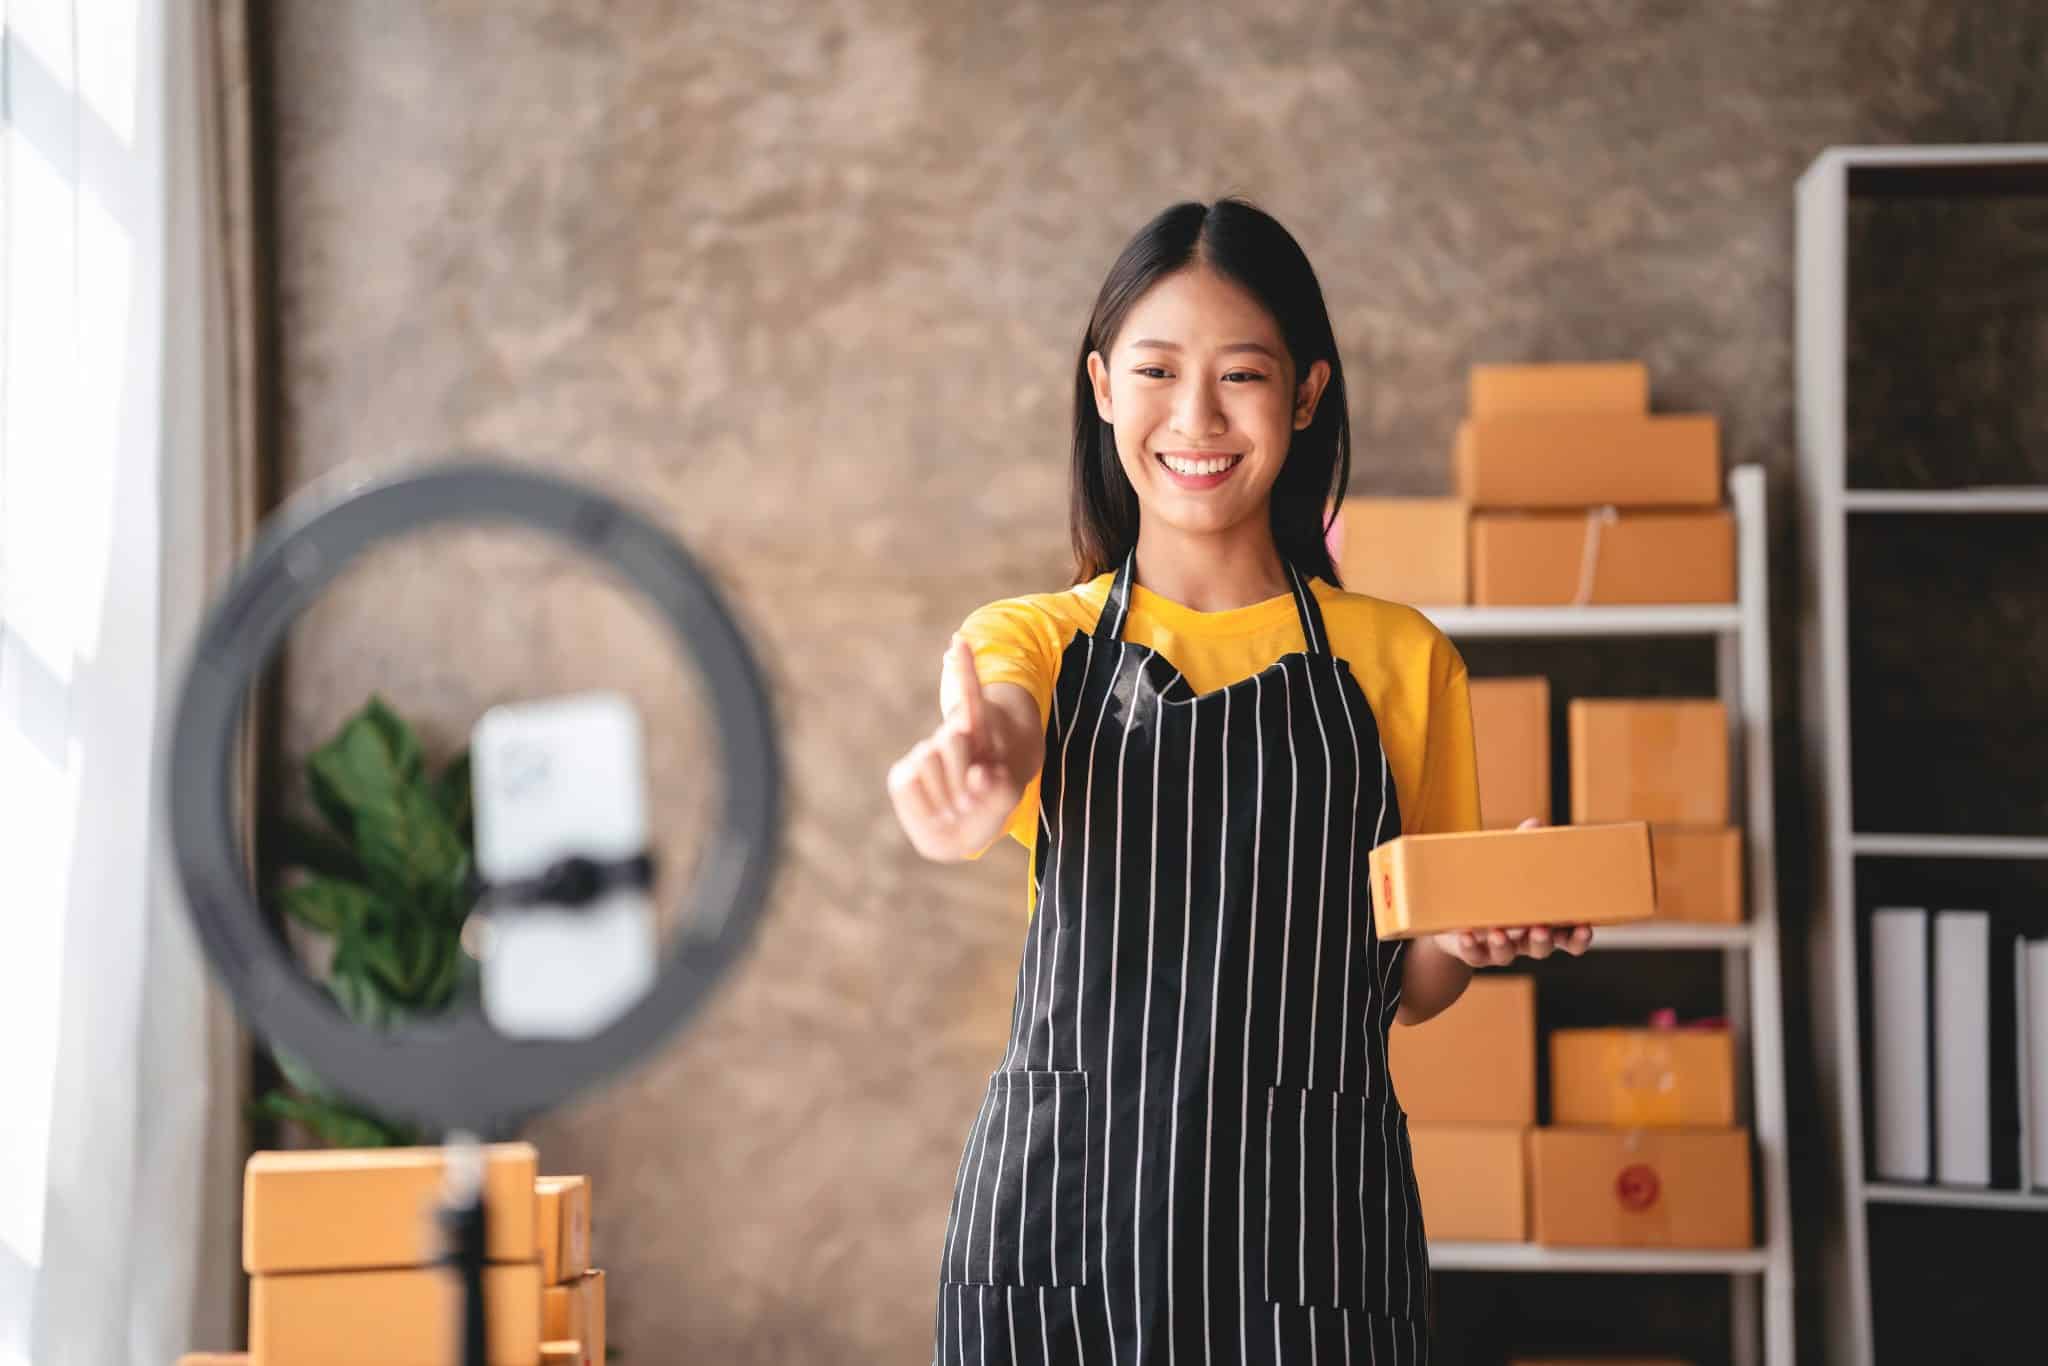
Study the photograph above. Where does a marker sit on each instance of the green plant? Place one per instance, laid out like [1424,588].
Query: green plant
[386,878]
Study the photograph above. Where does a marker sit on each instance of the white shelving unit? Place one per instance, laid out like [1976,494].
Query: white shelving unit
[1826,504]
[1632,1261]
[1761,1277]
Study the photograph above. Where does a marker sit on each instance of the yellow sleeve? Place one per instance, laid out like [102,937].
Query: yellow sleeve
[1450,762]
[1016,642]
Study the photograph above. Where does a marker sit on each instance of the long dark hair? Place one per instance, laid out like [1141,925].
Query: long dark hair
[1247,244]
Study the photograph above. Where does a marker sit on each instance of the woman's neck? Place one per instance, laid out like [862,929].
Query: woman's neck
[1211,573]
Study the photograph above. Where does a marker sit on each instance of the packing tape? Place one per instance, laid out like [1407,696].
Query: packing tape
[1589,558]
[1643,1082]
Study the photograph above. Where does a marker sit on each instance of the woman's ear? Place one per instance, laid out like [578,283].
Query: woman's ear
[1309,393]
[1098,375]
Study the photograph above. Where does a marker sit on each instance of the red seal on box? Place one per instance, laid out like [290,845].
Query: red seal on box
[1637,1186]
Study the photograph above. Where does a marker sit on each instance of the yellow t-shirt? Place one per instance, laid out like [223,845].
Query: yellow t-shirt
[1412,676]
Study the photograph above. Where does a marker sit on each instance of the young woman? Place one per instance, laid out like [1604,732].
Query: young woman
[1191,1150]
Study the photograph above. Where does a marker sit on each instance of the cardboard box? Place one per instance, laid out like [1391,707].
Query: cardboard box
[394,1318]
[563,1213]
[1474,1063]
[1699,873]
[1576,460]
[1474,1181]
[1640,1187]
[1552,875]
[353,1209]
[1525,559]
[1644,759]
[576,1310]
[1411,550]
[568,1353]
[1642,1078]
[593,1317]
[1582,387]
[1511,732]
[561,1312]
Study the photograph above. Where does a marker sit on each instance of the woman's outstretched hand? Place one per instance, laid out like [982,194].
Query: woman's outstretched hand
[1502,945]
[953,790]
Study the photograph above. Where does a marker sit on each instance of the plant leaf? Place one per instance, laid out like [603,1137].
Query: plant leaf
[329,801]
[454,795]
[411,851]
[339,908]
[404,746]
[335,1122]
[300,1076]
[352,983]
[441,982]
[357,769]
[308,846]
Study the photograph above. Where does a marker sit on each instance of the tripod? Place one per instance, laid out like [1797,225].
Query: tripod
[461,1219]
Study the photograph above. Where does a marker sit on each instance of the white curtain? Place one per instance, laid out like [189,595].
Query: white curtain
[120,1072]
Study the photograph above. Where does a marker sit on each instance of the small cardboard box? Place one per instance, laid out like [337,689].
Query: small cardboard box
[576,1310]
[564,1225]
[565,1353]
[1642,1078]
[1640,1187]
[1640,759]
[1474,1181]
[1511,732]
[1699,873]
[353,1209]
[1474,1063]
[394,1318]
[1578,387]
[1576,460]
[1411,550]
[1540,559]
[1551,875]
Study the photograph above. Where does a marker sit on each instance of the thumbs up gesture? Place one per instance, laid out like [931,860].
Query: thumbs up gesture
[955,788]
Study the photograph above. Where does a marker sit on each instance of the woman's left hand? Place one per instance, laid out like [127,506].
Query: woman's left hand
[1492,948]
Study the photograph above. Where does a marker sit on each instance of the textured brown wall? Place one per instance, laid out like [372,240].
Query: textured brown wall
[807,279]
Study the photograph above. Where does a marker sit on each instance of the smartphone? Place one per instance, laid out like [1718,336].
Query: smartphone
[553,779]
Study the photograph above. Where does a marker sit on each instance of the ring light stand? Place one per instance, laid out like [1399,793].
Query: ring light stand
[456,1074]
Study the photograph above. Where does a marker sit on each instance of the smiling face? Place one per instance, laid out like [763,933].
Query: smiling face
[1204,400]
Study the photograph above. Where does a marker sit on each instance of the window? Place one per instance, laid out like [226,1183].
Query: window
[79,235]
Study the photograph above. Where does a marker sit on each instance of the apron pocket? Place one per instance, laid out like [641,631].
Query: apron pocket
[1023,1197]
[1007,1325]
[1342,1230]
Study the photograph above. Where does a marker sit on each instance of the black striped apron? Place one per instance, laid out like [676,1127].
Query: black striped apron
[1191,1151]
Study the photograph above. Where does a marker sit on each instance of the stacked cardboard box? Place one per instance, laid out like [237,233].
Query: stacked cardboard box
[1579,494]
[1664,762]
[1643,1148]
[572,1303]
[342,1250]
[1467,1080]
[1568,490]
[344,1255]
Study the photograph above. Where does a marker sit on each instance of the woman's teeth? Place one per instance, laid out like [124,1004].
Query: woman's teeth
[1181,465]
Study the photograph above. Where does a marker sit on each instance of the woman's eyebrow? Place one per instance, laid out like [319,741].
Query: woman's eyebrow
[1159,345]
